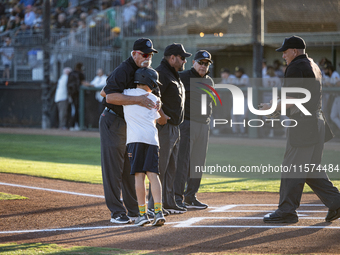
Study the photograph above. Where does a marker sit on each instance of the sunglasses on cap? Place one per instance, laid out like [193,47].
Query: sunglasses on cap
[201,63]
[144,55]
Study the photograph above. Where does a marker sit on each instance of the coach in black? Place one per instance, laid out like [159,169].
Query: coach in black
[305,142]
[194,132]
[112,127]
[172,113]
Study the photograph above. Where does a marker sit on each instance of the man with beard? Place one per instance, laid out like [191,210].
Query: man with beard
[172,114]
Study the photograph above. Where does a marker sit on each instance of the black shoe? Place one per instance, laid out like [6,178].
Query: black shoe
[195,204]
[165,212]
[332,215]
[181,204]
[275,218]
[121,219]
[175,209]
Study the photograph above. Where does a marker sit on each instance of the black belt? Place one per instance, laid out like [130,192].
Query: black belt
[111,111]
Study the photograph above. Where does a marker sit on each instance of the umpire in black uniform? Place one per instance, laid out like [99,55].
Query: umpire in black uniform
[172,114]
[194,132]
[305,142]
[112,128]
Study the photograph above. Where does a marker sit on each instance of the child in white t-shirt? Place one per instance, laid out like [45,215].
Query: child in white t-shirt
[143,145]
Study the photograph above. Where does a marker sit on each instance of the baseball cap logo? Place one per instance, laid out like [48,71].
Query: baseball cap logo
[148,43]
[205,54]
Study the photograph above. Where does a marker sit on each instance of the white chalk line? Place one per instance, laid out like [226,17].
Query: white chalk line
[72,229]
[51,190]
[264,211]
[182,224]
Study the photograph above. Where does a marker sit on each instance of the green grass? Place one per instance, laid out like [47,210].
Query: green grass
[6,196]
[39,248]
[78,159]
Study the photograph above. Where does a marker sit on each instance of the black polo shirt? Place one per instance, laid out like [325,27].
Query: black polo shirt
[192,109]
[305,68]
[121,78]
[172,92]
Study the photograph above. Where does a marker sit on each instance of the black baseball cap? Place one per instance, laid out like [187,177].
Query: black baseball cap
[203,54]
[293,42]
[176,49]
[144,45]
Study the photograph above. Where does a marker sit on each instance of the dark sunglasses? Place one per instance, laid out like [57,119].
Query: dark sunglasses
[145,55]
[201,63]
[183,58]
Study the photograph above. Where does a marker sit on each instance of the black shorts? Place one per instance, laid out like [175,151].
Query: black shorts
[143,158]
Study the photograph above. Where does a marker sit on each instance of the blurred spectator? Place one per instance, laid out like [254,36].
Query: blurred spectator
[3,24]
[7,54]
[61,98]
[129,15]
[113,41]
[99,81]
[16,11]
[146,18]
[76,78]
[83,16]
[81,25]
[277,67]
[62,21]
[105,5]
[29,16]
[270,80]
[77,13]
[92,10]
[22,35]
[14,23]
[26,3]
[329,79]
[242,81]
[117,41]
[38,21]
[225,110]
[332,79]
[321,64]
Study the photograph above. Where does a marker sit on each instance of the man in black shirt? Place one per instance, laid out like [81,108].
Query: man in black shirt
[112,127]
[172,114]
[305,141]
[194,132]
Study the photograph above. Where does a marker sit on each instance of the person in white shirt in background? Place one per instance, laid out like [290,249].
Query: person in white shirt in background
[61,98]
[7,55]
[270,80]
[241,80]
[331,79]
[99,82]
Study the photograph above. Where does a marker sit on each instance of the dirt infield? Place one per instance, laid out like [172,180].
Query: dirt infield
[232,223]
[70,213]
